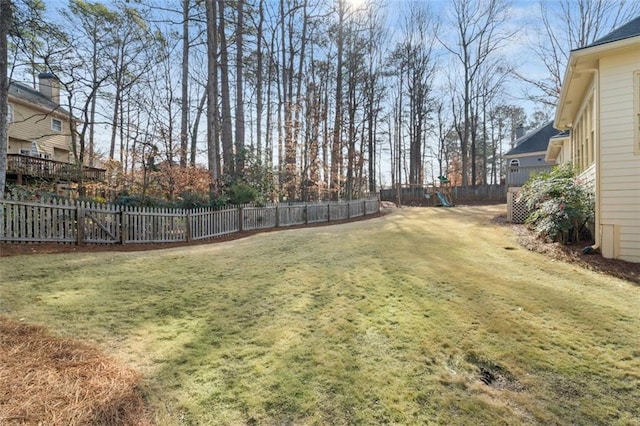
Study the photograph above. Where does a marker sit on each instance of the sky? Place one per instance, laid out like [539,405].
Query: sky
[521,22]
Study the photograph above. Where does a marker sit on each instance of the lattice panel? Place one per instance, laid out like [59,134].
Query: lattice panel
[519,211]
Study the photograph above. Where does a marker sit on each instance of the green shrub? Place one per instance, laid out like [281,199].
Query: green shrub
[242,193]
[559,203]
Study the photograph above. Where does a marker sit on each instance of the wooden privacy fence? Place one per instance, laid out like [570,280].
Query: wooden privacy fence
[77,223]
[460,194]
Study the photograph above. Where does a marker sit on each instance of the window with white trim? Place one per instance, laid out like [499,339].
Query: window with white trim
[9,113]
[56,125]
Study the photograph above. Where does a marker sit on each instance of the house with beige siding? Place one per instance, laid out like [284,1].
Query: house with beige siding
[600,107]
[39,144]
[38,125]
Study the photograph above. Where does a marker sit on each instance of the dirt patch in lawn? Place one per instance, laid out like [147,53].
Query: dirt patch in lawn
[48,380]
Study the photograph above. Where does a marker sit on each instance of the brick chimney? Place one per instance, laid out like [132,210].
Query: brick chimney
[49,86]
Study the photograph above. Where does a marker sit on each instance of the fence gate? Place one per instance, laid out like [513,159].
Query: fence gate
[99,225]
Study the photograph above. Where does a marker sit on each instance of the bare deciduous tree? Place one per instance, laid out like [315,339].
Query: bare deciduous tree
[227,125]
[212,96]
[239,119]
[6,13]
[570,24]
[478,27]
[184,99]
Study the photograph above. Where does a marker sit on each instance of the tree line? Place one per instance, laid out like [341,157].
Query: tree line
[298,99]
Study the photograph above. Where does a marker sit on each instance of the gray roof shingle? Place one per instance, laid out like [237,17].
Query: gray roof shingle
[628,30]
[33,96]
[536,140]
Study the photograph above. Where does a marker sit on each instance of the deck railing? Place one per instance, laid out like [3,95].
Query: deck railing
[518,175]
[25,166]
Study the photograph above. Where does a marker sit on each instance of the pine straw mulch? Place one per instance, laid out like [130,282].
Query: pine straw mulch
[49,380]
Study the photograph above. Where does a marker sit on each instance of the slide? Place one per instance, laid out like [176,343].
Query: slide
[443,199]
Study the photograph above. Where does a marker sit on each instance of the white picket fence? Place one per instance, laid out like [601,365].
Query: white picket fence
[63,221]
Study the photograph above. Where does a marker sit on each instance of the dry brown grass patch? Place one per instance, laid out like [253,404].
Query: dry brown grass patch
[56,381]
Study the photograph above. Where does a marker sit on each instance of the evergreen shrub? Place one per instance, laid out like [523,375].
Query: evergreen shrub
[560,204]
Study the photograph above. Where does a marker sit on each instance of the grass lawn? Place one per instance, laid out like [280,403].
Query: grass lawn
[423,316]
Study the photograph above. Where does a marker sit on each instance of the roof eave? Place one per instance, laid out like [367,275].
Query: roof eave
[554,148]
[525,154]
[58,112]
[574,56]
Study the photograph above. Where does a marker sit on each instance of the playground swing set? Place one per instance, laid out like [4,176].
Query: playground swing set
[441,194]
[420,195]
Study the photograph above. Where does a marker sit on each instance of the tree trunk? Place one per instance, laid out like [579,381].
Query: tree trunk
[227,126]
[259,83]
[92,111]
[239,164]
[184,99]
[297,125]
[6,19]
[336,145]
[196,126]
[212,97]
[286,82]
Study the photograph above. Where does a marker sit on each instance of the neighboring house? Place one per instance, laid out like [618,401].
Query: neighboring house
[39,142]
[526,159]
[600,106]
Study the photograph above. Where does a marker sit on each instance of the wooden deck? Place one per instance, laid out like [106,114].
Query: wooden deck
[27,167]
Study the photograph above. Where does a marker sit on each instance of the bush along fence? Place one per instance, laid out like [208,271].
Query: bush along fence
[88,223]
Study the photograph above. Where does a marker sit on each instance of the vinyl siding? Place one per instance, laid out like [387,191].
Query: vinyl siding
[619,165]
[588,177]
[530,160]
[31,124]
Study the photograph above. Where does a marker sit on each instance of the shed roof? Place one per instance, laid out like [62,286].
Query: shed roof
[536,140]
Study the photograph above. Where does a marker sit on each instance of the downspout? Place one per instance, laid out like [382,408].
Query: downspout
[596,159]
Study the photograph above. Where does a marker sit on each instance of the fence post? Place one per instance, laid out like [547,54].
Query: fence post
[123,227]
[306,214]
[364,207]
[329,211]
[80,223]
[277,216]
[188,225]
[348,209]
[240,219]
